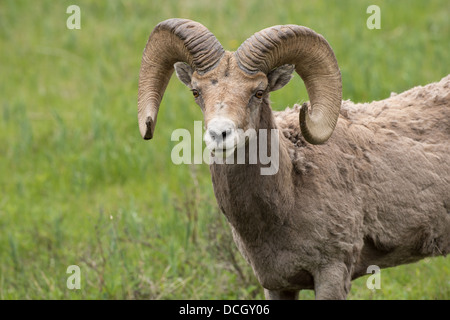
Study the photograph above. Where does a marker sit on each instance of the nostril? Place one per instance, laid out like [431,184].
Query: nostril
[213,134]
[220,134]
[226,133]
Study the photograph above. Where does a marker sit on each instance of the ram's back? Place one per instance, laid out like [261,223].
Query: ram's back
[386,169]
[421,113]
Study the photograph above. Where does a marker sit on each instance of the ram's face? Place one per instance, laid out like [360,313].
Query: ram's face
[232,87]
[230,100]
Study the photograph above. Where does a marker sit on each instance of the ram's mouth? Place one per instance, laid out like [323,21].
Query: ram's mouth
[226,152]
[223,152]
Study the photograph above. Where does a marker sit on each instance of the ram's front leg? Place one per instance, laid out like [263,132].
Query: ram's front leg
[281,294]
[332,282]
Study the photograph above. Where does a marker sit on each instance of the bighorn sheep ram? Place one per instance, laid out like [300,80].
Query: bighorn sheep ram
[376,192]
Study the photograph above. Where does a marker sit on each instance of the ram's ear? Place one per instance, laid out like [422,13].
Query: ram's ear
[280,76]
[184,72]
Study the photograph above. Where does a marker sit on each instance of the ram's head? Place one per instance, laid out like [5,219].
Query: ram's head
[231,86]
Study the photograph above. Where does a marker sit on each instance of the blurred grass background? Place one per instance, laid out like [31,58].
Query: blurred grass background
[79,186]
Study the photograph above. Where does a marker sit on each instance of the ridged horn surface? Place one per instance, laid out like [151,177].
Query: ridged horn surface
[314,61]
[173,40]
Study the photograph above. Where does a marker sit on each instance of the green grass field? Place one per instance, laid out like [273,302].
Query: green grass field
[78,185]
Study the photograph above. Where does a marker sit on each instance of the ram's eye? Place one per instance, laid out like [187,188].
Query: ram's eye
[259,94]
[195,93]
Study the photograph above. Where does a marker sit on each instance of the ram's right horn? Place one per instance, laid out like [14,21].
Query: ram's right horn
[173,40]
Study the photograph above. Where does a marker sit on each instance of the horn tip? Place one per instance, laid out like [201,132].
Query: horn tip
[147,132]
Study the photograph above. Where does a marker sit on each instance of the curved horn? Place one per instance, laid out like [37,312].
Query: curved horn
[314,61]
[173,40]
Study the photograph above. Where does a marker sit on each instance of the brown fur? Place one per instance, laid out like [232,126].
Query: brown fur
[377,193]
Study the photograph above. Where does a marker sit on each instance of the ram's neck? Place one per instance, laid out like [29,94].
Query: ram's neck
[252,192]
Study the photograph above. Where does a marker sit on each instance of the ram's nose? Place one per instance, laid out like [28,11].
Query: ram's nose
[219,134]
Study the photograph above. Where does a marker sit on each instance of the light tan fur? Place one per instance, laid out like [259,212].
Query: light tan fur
[374,193]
